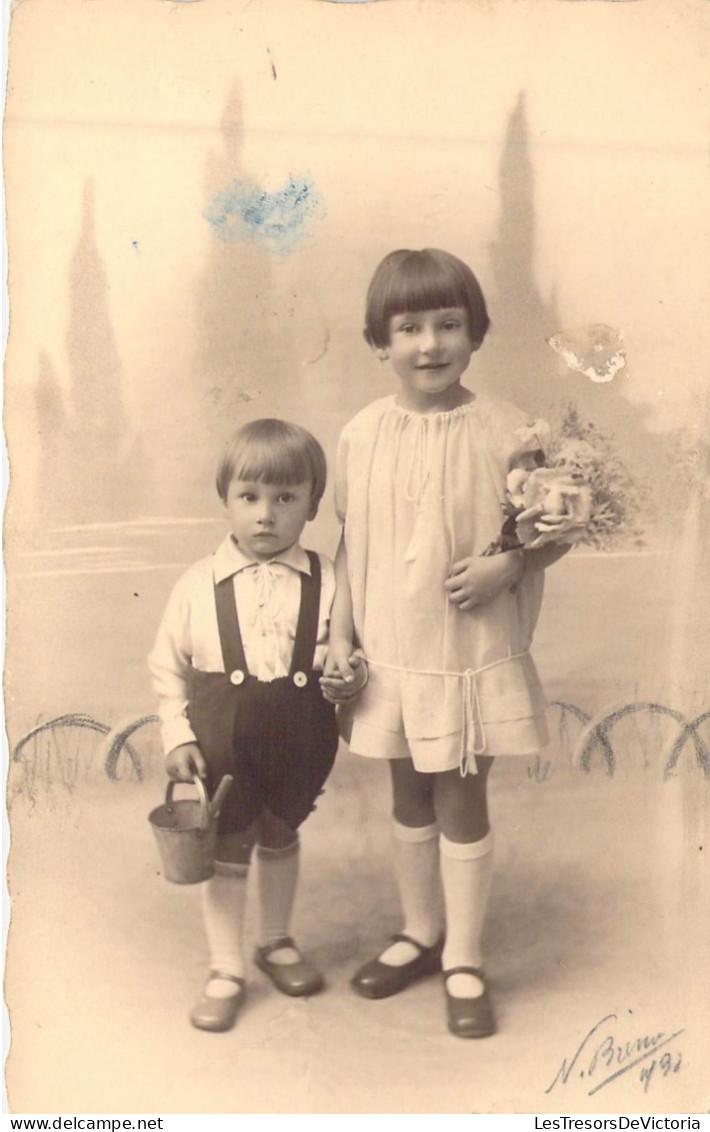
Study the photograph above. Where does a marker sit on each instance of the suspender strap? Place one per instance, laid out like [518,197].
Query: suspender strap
[307,628]
[230,637]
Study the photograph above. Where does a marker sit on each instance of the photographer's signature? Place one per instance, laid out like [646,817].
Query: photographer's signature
[602,1057]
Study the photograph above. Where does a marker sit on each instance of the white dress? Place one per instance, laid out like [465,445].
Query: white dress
[417,493]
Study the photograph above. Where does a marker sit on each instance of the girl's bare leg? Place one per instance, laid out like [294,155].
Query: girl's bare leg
[461,804]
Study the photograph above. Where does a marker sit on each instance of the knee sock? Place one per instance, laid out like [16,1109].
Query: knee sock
[223,902]
[277,880]
[416,862]
[466,873]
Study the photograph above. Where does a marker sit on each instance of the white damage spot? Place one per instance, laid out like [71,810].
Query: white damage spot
[595,350]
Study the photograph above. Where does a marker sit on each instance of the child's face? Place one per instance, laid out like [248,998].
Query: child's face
[430,351]
[267,519]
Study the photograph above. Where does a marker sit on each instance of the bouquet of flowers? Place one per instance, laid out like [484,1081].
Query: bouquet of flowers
[565,490]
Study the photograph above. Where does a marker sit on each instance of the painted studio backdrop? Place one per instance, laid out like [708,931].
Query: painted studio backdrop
[197,195]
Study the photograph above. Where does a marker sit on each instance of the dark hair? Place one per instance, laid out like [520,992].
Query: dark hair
[275,452]
[422,280]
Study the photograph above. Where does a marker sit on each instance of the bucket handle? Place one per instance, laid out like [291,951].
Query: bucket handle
[205,815]
[220,794]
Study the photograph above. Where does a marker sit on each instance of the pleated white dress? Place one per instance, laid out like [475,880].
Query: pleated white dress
[417,493]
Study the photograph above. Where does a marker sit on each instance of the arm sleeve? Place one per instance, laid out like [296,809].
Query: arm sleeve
[169,662]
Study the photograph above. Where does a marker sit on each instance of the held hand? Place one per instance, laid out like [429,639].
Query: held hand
[185,763]
[338,662]
[475,581]
[344,678]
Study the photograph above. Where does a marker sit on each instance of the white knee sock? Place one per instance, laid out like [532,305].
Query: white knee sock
[223,902]
[277,880]
[466,873]
[416,863]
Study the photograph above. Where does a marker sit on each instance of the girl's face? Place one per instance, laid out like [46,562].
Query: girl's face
[266,518]
[430,351]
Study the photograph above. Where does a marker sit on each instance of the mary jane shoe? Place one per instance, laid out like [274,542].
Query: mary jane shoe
[380,980]
[295,979]
[469,1017]
[218,1014]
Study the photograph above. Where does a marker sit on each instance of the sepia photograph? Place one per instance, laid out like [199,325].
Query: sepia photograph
[356,389]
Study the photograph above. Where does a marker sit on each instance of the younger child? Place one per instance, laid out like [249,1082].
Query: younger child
[235,666]
[445,632]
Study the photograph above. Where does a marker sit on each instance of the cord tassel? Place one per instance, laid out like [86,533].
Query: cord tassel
[473,734]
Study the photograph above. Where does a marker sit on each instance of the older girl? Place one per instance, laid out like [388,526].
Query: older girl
[446,633]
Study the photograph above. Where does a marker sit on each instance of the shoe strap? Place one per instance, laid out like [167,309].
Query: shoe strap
[477,971]
[269,948]
[402,937]
[230,978]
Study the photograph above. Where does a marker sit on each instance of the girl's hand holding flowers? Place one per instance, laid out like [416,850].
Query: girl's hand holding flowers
[556,506]
[562,492]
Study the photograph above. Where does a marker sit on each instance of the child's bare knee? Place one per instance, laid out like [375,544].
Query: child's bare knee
[462,805]
[274,833]
[234,848]
[413,811]
[412,794]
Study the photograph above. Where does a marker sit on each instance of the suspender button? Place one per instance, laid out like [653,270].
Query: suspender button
[300,679]
[237,677]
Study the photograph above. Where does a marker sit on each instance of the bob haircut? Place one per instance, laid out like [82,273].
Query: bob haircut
[429,279]
[274,452]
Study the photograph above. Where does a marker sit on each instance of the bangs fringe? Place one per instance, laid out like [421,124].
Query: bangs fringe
[429,279]
[420,286]
[272,461]
[274,452]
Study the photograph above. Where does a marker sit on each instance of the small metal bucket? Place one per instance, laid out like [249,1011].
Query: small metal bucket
[186,832]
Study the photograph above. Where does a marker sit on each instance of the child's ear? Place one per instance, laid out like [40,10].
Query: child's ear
[313,511]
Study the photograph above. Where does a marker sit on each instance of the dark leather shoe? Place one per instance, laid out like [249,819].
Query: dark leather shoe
[380,980]
[218,1014]
[295,979]
[469,1017]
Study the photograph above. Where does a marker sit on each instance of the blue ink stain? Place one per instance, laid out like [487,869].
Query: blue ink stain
[244,211]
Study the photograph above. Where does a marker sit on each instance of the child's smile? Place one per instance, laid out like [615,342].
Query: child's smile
[430,351]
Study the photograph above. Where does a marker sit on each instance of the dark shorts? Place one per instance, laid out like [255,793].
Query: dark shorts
[278,740]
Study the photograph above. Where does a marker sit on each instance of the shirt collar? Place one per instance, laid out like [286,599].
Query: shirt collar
[229,559]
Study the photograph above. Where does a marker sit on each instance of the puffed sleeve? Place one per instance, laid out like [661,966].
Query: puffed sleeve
[169,662]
